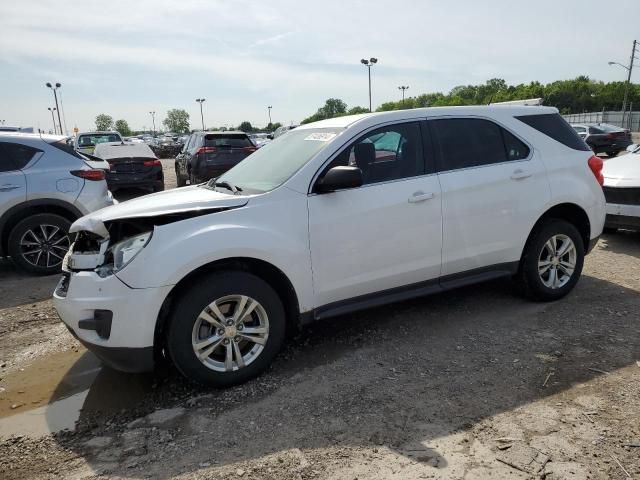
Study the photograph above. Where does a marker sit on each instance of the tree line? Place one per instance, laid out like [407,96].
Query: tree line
[581,94]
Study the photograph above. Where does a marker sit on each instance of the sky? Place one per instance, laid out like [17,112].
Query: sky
[127,58]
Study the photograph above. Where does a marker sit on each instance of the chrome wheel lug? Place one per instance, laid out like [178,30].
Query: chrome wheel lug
[240,326]
[220,331]
[237,339]
[225,341]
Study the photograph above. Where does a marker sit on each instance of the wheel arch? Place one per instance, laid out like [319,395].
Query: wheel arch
[262,269]
[21,211]
[570,212]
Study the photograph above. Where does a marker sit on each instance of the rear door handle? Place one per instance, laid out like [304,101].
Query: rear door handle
[7,187]
[520,174]
[420,197]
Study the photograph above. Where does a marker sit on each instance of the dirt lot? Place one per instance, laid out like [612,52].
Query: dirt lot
[475,383]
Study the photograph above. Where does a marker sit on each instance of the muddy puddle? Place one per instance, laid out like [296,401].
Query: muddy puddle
[50,394]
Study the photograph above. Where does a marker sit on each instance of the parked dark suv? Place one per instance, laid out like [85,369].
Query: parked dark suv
[604,138]
[208,155]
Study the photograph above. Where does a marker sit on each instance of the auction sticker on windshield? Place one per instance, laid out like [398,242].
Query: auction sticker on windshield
[320,136]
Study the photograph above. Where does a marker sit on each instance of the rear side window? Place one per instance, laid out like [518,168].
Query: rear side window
[473,142]
[14,156]
[65,147]
[232,140]
[554,126]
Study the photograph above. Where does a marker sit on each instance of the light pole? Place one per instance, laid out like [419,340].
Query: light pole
[201,101]
[403,88]
[368,64]
[153,119]
[269,108]
[55,96]
[629,70]
[53,118]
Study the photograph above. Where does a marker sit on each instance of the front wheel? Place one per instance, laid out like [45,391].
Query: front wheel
[226,328]
[552,261]
[39,243]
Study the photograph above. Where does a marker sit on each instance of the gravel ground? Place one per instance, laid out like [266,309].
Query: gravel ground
[474,383]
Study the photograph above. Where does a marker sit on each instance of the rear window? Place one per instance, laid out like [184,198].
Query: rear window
[556,127]
[233,141]
[94,139]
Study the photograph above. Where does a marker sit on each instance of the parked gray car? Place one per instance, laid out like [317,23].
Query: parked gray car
[44,187]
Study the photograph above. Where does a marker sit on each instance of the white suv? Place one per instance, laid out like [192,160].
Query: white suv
[332,217]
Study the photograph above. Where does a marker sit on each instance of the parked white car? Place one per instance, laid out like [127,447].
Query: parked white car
[333,217]
[622,191]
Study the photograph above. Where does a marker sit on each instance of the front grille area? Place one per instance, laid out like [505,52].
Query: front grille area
[623,196]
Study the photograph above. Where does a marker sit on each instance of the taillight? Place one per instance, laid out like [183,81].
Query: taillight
[152,163]
[206,150]
[249,149]
[93,175]
[595,164]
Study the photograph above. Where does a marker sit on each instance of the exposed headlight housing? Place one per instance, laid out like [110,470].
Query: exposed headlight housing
[120,254]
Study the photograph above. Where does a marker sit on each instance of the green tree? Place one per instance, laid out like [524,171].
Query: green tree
[245,127]
[104,122]
[122,127]
[357,110]
[333,107]
[177,121]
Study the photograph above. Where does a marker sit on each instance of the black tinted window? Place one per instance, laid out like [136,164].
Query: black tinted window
[14,156]
[554,126]
[65,147]
[232,140]
[388,153]
[468,142]
[516,150]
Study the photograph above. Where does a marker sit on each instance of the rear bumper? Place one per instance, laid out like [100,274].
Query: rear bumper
[623,216]
[152,179]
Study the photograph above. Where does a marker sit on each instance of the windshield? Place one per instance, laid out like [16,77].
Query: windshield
[275,163]
[93,139]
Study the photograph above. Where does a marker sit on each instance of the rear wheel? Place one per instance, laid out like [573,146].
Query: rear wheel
[180,180]
[39,243]
[552,261]
[226,329]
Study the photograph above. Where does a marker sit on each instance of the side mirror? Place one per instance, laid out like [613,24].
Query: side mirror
[339,178]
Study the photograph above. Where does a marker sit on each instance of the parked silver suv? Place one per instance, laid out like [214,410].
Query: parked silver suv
[44,187]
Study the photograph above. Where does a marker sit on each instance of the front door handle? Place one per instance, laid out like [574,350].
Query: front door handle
[7,187]
[420,197]
[520,174]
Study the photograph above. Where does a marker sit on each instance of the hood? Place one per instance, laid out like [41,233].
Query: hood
[170,202]
[623,171]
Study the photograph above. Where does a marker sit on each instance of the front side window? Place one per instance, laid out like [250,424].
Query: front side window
[474,142]
[388,153]
[14,156]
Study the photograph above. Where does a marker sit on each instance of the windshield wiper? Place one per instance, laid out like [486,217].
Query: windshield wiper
[228,186]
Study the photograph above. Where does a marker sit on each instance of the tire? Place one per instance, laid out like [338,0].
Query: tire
[31,233]
[180,180]
[536,285]
[158,188]
[612,154]
[189,326]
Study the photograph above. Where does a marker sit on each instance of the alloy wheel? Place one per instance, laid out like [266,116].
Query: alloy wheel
[230,333]
[44,246]
[557,261]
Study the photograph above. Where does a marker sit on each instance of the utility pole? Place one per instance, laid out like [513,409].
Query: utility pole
[626,87]
[403,88]
[53,119]
[201,101]
[269,108]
